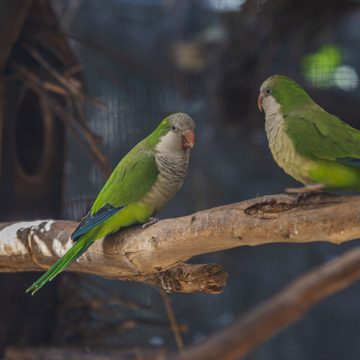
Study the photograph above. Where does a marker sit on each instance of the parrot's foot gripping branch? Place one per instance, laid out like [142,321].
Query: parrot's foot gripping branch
[151,221]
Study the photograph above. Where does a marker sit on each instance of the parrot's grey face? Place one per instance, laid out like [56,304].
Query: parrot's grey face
[181,137]
[266,100]
[265,96]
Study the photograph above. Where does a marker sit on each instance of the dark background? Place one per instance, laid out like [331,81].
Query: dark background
[145,59]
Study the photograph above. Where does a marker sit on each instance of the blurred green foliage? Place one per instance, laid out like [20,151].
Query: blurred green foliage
[319,67]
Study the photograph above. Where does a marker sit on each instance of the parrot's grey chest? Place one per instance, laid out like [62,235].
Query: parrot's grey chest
[283,149]
[172,171]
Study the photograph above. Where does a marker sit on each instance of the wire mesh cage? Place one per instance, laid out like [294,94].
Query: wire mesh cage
[141,60]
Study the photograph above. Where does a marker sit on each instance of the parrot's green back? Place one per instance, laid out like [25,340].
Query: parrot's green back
[129,196]
[332,145]
[310,144]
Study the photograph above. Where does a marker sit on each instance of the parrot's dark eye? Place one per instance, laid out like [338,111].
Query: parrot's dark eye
[173,128]
[267,91]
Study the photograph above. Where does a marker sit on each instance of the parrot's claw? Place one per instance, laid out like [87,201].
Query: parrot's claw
[151,221]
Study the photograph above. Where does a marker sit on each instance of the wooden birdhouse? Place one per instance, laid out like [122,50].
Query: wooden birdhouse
[39,91]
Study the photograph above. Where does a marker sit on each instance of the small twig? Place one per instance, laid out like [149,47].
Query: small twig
[172,319]
[90,141]
[286,307]
[75,107]
[75,69]
[69,82]
[54,88]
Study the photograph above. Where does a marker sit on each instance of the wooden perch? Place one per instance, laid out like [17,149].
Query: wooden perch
[290,304]
[156,254]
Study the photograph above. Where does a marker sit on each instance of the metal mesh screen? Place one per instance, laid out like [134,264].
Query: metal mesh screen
[146,59]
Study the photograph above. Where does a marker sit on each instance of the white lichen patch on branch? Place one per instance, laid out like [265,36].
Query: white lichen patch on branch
[40,226]
[42,246]
[61,248]
[10,243]
[47,225]
[37,228]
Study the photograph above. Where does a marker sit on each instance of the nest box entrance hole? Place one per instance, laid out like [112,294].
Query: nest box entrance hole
[29,134]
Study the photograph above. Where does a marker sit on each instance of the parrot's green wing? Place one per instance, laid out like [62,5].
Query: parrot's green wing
[90,221]
[319,135]
[130,181]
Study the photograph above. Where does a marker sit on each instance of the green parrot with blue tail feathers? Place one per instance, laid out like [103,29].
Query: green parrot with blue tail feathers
[313,146]
[141,184]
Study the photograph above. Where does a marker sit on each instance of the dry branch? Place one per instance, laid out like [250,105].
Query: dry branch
[88,141]
[67,83]
[156,255]
[258,325]
[172,319]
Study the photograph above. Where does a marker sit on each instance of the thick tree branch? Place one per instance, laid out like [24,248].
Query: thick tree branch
[258,325]
[155,255]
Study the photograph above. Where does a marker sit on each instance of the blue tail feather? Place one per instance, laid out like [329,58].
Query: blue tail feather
[71,255]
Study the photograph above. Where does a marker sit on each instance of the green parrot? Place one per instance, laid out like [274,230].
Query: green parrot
[314,147]
[141,184]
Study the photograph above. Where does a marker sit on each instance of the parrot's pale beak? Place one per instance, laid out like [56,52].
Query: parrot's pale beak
[260,100]
[188,139]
